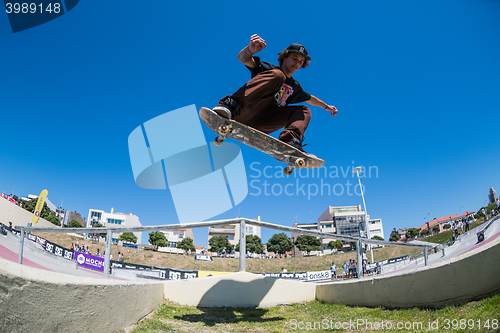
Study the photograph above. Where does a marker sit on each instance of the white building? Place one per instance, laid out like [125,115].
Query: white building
[232,232]
[114,220]
[349,221]
[344,221]
[175,236]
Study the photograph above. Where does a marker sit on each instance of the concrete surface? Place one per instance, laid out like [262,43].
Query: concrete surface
[468,271]
[10,212]
[34,300]
[239,290]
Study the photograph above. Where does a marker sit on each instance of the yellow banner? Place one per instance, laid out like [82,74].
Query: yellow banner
[210,273]
[39,206]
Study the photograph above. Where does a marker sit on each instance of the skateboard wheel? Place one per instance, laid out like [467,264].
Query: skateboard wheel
[223,130]
[218,141]
[300,163]
[288,171]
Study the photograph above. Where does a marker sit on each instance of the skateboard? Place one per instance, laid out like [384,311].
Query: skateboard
[227,128]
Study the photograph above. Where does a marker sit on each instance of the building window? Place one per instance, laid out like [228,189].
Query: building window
[115,221]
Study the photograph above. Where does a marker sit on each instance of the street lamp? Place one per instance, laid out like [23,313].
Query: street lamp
[357,171]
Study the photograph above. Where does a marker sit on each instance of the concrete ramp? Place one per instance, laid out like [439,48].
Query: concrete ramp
[34,300]
[239,290]
[472,275]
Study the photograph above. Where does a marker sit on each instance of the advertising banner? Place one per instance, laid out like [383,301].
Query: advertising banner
[89,261]
[39,206]
[121,264]
[176,274]
[321,275]
[210,273]
[206,258]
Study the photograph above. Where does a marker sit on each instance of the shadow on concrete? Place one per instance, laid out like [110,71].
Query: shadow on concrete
[237,293]
[224,315]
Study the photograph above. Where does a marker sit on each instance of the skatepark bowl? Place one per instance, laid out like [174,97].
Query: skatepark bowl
[42,292]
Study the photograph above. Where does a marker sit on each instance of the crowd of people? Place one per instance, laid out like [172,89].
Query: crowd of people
[85,249]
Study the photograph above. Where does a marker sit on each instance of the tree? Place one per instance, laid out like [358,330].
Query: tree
[394,237]
[412,232]
[377,237]
[492,195]
[219,243]
[446,226]
[253,244]
[128,237]
[308,243]
[75,224]
[186,244]
[52,218]
[31,205]
[337,244]
[158,239]
[279,243]
[98,225]
[435,228]
[425,232]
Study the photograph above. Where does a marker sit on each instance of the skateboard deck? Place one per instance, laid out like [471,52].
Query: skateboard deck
[227,128]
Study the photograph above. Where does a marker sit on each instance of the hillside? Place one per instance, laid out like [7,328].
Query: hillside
[153,258]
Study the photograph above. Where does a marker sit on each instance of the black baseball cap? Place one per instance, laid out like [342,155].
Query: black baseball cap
[298,48]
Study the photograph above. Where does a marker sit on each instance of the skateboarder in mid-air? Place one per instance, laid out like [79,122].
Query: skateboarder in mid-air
[264,102]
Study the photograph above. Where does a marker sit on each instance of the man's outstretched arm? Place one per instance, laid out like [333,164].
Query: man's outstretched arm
[257,44]
[317,102]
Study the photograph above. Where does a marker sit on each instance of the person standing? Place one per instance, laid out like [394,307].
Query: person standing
[333,269]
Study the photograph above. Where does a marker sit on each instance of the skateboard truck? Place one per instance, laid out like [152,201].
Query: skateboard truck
[224,131]
[299,163]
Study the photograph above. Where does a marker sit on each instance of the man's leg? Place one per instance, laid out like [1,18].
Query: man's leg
[294,119]
[254,97]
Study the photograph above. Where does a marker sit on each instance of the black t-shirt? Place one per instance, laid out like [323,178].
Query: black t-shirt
[291,91]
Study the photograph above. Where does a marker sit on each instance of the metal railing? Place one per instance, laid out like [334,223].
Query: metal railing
[241,221]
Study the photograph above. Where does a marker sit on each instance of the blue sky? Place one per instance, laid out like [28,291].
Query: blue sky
[417,85]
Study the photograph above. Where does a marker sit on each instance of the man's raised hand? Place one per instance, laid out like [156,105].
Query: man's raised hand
[257,44]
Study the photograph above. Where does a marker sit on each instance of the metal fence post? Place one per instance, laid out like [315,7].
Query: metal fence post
[21,247]
[109,234]
[426,255]
[359,265]
[243,247]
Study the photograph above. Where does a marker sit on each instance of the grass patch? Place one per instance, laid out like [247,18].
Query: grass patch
[320,317]
[445,236]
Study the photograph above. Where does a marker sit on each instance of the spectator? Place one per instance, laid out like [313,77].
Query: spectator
[354,270]
[283,270]
[72,247]
[98,253]
[120,257]
[350,267]
[345,269]
[333,268]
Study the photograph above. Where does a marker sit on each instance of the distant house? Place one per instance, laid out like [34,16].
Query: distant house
[114,220]
[442,221]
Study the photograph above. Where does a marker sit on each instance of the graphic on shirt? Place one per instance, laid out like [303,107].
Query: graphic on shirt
[283,94]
